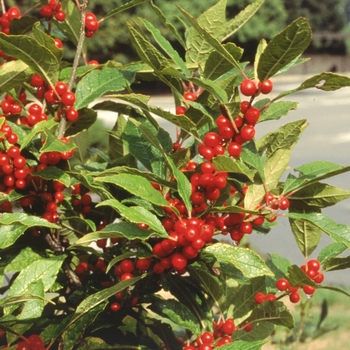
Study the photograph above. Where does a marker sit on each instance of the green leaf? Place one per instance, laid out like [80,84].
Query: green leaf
[54,173]
[205,41]
[183,185]
[37,57]
[298,278]
[212,87]
[244,345]
[96,83]
[12,74]
[71,25]
[146,51]
[330,251]
[87,117]
[42,271]
[278,265]
[47,41]
[136,215]
[72,335]
[319,195]
[93,300]
[311,173]
[306,234]
[136,185]
[26,257]
[247,261]
[276,313]
[284,137]
[284,48]
[177,313]
[33,307]
[119,229]
[150,156]
[337,264]
[277,110]
[128,5]
[167,24]
[260,49]
[133,171]
[274,168]
[166,46]
[12,226]
[216,65]
[251,157]
[225,163]
[210,283]
[338,232]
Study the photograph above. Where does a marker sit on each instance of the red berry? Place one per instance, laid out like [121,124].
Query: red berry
[246,228]
[60,15]
[91,25]
[234,149]
[13,12]
[259,298]
[189,96]
[211,139]
[180,110]
[46,11]
[248,87]
[309,290]
[178,261]
[265,87]
[294,297]
[313,265]
[115,307]
[282,284]
[248,327]
[247,132]
[72,114]
[207,338]
[228,327]
[127,265]
[68,98]
[252,115]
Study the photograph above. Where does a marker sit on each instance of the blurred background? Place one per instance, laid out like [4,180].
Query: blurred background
[329,19]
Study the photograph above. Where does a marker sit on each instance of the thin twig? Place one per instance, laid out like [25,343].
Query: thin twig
[3,7]
[63,122]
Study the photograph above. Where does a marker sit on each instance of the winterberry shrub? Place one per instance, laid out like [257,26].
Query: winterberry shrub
[123,248]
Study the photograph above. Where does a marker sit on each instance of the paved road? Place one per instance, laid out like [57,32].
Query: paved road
[326,138]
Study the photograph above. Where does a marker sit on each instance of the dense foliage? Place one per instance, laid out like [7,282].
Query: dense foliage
[121,248]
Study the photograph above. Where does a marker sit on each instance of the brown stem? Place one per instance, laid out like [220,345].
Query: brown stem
[63,122]
[3,7]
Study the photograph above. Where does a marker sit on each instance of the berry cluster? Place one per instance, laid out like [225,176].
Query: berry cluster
[33,342]
[91,24]
[311,269]
[53,9]
[7,17]
[221,336]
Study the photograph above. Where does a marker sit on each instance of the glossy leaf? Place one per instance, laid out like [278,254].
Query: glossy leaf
[306,234]
[248,262]
[225,163]
[106,80]
[119,229]
[206,40]
[124,7]
[284,48]
[54,173]
[311,173]
[277,110]
[284,137]
[136,185]
[319,195]
[337,264]
[12,226]
[136,215]
[338,232]
[37,57]
[13,73]
[177,313]
[330,251]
